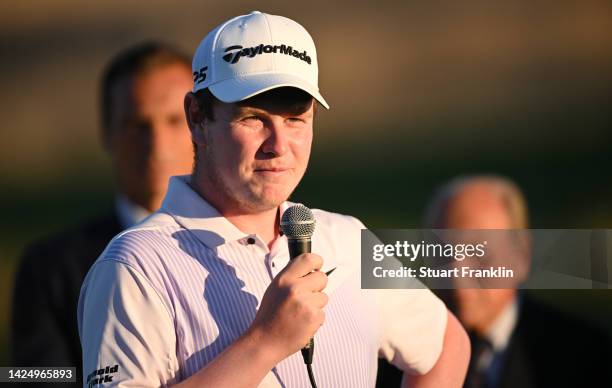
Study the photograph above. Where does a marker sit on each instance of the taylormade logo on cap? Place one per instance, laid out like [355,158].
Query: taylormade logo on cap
[254,53]
[250,52]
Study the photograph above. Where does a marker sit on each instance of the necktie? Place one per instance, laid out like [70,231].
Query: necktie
[482,353]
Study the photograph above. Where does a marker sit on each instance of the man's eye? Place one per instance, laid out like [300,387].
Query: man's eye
[250,118]
[295,120]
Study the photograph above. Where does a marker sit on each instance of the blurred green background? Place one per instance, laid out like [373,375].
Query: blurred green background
[420,92]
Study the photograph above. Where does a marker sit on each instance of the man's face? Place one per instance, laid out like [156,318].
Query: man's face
[254,154]
[477,207]
[149,139]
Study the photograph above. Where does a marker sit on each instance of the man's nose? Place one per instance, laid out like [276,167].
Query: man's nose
[277,141]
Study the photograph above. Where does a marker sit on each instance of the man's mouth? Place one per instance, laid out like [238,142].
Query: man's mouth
[275,169]
[272,171]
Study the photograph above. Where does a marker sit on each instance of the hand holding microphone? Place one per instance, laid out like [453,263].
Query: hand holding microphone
[291,309]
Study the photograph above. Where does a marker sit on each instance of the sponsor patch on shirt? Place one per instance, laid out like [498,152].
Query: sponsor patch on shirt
[102,376]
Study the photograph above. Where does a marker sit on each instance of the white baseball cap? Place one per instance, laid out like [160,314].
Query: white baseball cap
[254,53]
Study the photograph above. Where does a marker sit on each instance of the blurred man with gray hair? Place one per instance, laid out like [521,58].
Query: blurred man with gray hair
[516,341]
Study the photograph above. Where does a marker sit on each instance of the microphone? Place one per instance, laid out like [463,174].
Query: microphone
[298,225]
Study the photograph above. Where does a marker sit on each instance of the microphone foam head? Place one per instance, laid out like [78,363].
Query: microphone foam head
[298,222]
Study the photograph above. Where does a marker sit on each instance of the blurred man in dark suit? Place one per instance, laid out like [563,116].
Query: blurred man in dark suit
[145,133]
[516,341]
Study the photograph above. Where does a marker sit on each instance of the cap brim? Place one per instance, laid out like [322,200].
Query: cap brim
[238,89]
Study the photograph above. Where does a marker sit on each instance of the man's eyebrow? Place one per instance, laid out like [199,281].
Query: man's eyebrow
[241,110]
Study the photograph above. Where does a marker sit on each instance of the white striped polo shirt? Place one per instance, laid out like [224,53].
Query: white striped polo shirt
[168,295]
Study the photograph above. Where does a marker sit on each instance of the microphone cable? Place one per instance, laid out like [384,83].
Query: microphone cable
[313,383]
[307,353]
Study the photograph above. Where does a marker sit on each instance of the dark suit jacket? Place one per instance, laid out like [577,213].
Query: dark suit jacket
[47,285]
[551,349]
[547,349]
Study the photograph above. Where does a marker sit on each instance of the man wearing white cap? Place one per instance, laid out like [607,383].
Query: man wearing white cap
[203,293]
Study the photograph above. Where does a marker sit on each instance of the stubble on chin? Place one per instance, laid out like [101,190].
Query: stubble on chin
[248,199]
[258,199]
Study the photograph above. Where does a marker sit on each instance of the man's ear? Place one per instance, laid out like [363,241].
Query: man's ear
[525,250]
[195,118]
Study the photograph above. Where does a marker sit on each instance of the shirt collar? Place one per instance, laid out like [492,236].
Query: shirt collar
[194,213]
[499,333]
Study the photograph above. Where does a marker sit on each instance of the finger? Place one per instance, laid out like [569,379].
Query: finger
[321,317]
[314,281]
[319,299]
[303,265]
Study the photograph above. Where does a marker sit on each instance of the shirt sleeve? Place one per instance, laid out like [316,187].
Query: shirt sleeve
[412,323]
[127,333]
